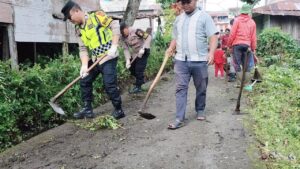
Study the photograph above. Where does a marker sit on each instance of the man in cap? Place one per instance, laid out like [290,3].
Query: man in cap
[138,42]
[193,31]
[100,34]
[243,38]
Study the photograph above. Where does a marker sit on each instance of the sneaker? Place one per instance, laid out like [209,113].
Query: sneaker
[136,89]
[117,114]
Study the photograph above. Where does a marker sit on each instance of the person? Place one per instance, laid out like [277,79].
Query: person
[224,39]
[243,38]
[100,34]
[192,57]
[219,61]
[137,41]
[177,7]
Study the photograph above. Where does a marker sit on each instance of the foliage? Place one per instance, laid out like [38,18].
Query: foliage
[166,3]
[24,108]
[276,113]
[275,106]
[101,122]
[163,36]
[275,46]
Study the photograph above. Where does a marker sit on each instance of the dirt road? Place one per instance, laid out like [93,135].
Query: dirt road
[218,143]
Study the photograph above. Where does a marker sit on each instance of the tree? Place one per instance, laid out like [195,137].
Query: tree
[131,12]
[166,3]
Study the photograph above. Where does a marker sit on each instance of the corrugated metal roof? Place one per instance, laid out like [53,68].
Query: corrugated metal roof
[288,7]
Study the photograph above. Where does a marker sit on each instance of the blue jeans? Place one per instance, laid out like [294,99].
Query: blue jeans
[184,70]
[239,55]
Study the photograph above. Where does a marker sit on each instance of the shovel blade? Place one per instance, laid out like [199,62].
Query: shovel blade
[147,116]
[56,108]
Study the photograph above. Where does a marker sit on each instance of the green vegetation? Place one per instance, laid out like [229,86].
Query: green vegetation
[275,103]
[101,122]
[24,108]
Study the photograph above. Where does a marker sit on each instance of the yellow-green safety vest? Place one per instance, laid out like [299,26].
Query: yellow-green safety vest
[96,34]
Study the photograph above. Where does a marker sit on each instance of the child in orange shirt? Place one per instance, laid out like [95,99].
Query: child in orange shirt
[219,60]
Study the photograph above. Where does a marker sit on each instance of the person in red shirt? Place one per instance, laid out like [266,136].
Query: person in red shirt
[242,38]
[219,60]
[224,39]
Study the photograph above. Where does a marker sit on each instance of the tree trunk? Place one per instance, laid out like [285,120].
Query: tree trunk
[131,12]
[12,47]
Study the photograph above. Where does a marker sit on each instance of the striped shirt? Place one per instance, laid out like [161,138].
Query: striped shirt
[191,32]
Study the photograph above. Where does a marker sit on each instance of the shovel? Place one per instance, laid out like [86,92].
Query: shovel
[245,66]
[155,81]
[256,79]
[53,100]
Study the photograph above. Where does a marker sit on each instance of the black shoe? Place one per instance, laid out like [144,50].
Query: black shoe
[86,111]
[117,114]
[136,89]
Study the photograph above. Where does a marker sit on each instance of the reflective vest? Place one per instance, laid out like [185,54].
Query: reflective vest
[96,34]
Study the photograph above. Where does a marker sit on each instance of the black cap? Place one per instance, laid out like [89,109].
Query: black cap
[123,25]
[66,9]
[184,1]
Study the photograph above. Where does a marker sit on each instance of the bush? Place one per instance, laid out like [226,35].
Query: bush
[24,108]
[275,106]
[275,45]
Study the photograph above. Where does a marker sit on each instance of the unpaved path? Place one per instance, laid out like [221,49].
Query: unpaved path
[218,143]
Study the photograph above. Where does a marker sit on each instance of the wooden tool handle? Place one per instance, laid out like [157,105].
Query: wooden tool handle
[53,99]
[155,81]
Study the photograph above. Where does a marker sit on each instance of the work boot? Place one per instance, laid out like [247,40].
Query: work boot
[136,89]
[86,111]
[117,114]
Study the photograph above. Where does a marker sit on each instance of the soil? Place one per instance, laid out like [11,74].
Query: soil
[220,142]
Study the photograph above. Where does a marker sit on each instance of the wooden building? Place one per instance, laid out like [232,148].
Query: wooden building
[282,14]
[28,28]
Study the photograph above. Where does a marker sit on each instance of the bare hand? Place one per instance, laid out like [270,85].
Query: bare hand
[210,59]
[169,52]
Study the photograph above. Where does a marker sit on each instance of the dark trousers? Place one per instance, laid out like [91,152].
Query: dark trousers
[138,67]
[239,55]
[109,73]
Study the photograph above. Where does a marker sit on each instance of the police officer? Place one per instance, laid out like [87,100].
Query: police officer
[100,34]
[138,42]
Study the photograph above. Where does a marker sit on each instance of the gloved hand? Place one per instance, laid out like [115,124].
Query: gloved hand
[112,52]
[83,70]
[141,53]
[128,65]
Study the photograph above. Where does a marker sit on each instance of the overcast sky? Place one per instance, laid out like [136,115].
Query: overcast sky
[223,5]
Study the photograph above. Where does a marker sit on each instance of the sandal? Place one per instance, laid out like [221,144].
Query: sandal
[201,118]
[176,125]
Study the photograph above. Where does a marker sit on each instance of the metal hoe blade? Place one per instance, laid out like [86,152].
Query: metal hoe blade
[56,108]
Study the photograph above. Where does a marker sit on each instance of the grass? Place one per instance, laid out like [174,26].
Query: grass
[275,113]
